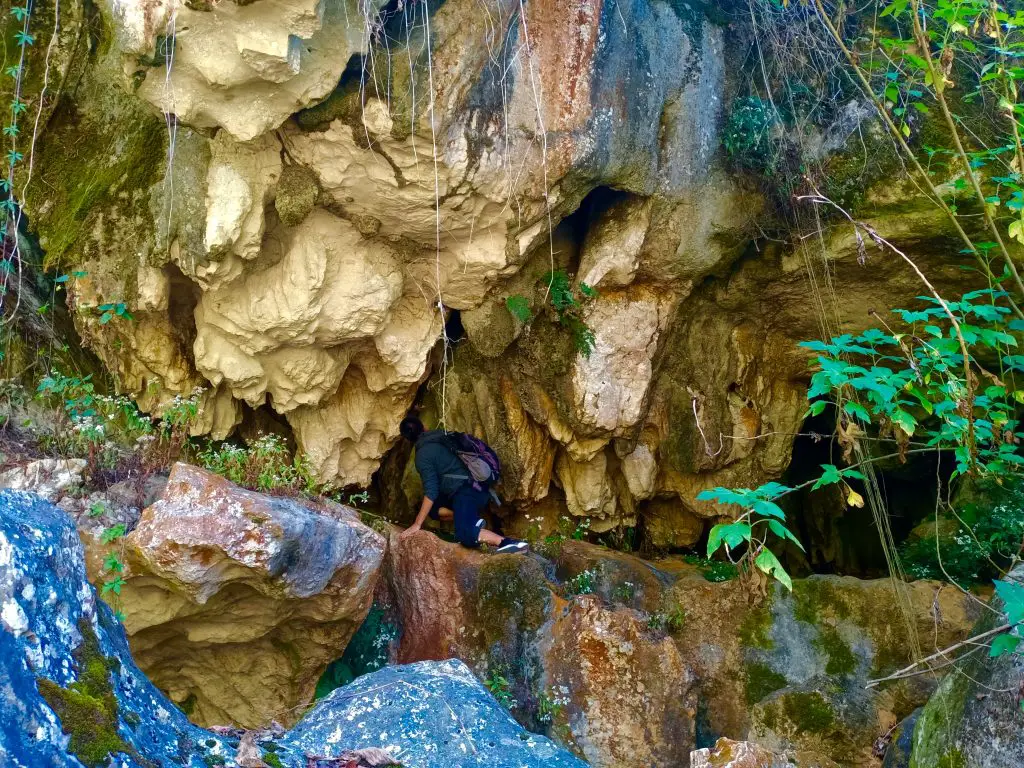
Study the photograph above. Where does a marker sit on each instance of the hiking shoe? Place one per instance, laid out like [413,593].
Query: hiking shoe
[511,546]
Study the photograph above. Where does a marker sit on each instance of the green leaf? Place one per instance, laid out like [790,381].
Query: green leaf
[1003,644]
[857,411]
[830,475]
[769,563]
[113,533]
[113,585]
[1016,230]
[113,563]
[733,534]
[817,407]
[769,509]
[904,421]
[783,532]
[1012,595]
[895,8]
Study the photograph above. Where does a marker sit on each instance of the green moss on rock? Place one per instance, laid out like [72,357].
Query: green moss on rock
[297,192]
[840,657]
[944,712]
[798,712]
[813,596]
[755,630]
[511,593]
[761,681]
[88,708]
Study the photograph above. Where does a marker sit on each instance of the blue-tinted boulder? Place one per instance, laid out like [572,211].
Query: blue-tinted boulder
[432,713]
[69,691]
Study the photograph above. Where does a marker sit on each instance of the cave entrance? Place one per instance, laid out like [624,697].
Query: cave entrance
[844,539]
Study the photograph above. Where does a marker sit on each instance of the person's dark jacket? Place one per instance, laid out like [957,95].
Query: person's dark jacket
[441,471]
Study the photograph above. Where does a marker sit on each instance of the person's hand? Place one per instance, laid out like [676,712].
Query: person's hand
[409,531]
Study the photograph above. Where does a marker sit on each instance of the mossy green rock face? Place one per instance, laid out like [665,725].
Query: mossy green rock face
[974,719]
[790,671]
[88,708]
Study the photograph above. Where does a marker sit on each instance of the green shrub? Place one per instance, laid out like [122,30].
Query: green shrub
[750,135]
[265,464]
[974,546]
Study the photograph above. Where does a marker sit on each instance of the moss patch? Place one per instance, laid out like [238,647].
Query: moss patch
[511,592]
[88,708]
[808,712]
[939,721]
[761,681]
[813,596]
[297,192]
[754,631]
[840,657]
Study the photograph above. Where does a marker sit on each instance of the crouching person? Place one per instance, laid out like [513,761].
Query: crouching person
[450,491]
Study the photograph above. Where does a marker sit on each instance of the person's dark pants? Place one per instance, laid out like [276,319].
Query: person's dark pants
[467,504]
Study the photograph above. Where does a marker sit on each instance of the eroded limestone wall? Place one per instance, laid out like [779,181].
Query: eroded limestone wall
[291,198]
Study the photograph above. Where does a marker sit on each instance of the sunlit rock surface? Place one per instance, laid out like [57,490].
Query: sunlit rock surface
[235,601]
[429,714]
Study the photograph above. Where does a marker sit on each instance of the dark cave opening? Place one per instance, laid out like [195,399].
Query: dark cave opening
[843,538]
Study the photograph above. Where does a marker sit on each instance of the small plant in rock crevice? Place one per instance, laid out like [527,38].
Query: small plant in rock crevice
[625,592]
[113,565]
[583,583]
[671,620]
[497,683]
[565,303]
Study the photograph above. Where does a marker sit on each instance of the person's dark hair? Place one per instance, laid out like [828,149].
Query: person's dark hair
[411,428]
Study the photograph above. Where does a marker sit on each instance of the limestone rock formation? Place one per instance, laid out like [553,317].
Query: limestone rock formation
[614,690]
[49,478]
[73,696]
[790,673]
[737,754]
[295,199]
[304,258]
[601,660]
[651,659]
[235,602]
